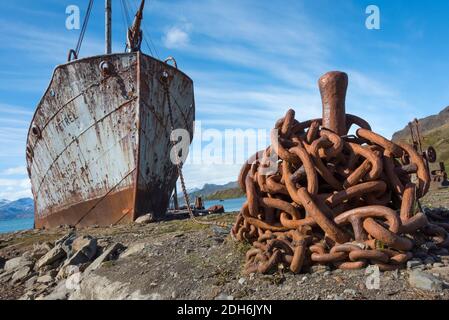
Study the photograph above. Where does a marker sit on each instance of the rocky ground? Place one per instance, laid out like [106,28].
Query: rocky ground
[180,259]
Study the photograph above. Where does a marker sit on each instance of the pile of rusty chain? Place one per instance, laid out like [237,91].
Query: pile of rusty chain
[344,201]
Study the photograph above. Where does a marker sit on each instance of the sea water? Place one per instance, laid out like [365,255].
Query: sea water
[230,205]
[16,225]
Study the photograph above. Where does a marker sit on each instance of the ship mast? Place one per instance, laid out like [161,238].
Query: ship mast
[108,22]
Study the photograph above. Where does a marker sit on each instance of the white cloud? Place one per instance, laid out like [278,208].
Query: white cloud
[176,37]
[14,189]
[15,171]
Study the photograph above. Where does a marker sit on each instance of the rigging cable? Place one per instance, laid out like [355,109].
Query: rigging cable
[125,19]
[84,28]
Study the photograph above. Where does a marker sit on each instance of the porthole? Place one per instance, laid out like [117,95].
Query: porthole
[36,131]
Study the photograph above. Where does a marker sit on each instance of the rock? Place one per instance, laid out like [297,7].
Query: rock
[52,256]
[216,209]
[223,297]
[86,245]
[319,268]
[146,219]
[68,238]
[77,259]
[442,272]
[220,231]
[30,282]
[45,279]
[438,265]
[67,271]
[429,260]
[39,250]
[109,254]
[350,292]
[413,263]
[18,263]
[93,287]
[53,273]
[133,250]
[21,275]
[425,281]
[27,296]
[60,293]
[66,243]
[6,276]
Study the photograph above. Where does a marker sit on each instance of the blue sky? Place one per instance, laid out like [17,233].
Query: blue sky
[250,60]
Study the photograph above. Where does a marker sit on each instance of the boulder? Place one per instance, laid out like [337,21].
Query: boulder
[146,219]
[109,254]
[216,209]
[77,259]
[60,293]
[52,256]
[67,271]
[66,242]
[425,281]
[94,287]
[6,276]
[18,263]
[21,275]
[87,245]
[85,249]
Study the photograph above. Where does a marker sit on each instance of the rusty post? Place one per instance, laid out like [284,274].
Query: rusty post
[333,86]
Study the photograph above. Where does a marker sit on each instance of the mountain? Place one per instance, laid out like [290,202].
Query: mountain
[22,208]
[435,132]
[426,125]
[232,193]
[214,192]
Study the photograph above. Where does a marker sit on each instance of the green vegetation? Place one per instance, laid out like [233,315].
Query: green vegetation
[233,193]
[439,139]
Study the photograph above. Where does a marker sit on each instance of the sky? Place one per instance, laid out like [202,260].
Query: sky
[251,60]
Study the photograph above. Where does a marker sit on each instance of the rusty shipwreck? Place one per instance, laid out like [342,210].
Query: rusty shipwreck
[98,148]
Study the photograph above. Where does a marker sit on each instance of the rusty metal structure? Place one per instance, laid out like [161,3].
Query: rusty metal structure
[98,147]
[336,199]
[438,177]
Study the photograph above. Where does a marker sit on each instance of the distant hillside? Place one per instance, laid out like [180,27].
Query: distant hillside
[426,125]
[3,202]
[213,192]
[22,208]
[435,132]
[232,193]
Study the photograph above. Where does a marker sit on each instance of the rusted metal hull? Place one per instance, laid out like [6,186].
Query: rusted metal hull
[98,149]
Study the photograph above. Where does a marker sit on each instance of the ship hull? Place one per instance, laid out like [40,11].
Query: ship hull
[98,148]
